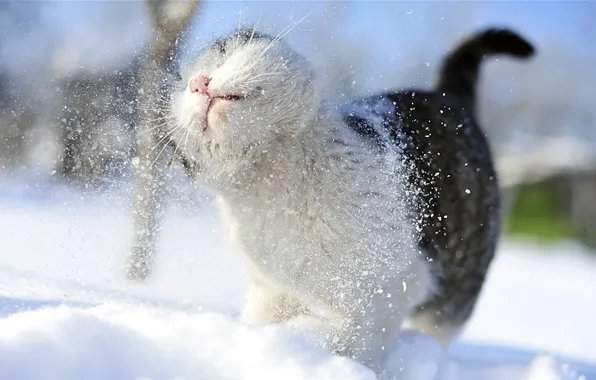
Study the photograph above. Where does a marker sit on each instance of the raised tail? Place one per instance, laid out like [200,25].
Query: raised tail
[460,69]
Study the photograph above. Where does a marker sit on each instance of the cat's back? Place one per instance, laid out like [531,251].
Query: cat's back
[448,162]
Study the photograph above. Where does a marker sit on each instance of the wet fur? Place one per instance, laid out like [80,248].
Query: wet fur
[360,215]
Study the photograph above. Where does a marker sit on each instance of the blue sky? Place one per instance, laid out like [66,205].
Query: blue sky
[395,29]
[397,35]
[109,31]
[541,19]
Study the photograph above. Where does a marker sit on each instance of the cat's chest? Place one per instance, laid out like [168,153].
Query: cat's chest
[280,241]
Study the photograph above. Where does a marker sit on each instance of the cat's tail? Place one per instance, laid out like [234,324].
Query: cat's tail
[460,69]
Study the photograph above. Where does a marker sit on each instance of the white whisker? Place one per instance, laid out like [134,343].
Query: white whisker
[284,32]
[167,135]
[165,145]
[254,29]
[158,126]
[263,75]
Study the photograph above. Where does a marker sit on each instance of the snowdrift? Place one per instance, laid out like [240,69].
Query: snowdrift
[66,311]
[119,342]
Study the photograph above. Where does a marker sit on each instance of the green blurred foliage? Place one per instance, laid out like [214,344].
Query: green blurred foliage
[538,212]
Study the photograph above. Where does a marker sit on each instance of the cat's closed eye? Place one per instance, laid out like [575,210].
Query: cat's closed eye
[221,46]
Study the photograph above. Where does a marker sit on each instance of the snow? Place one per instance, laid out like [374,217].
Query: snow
[67,312]
[131,342]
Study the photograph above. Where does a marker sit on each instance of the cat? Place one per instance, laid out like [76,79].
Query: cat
[381,211]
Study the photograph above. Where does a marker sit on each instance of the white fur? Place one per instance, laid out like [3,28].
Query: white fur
[319,218]
[444,333]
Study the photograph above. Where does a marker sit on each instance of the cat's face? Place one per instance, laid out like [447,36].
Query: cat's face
[239,94]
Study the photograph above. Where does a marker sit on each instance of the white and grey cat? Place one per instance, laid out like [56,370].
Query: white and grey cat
[365,216]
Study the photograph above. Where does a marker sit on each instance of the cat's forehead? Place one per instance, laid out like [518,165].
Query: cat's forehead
[240,37]
[221,49]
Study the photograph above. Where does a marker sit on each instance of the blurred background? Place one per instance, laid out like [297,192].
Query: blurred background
[69,84]
[70,75]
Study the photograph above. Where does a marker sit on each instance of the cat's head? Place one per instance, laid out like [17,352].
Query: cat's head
[241,94]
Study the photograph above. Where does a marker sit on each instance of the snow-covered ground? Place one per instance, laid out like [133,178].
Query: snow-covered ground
[66,311]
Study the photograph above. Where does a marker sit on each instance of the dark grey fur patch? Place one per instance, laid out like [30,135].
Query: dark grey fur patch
[241,36]
[451,171]
[450,168]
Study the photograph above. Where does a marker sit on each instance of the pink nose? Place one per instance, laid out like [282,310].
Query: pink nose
[200,84]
